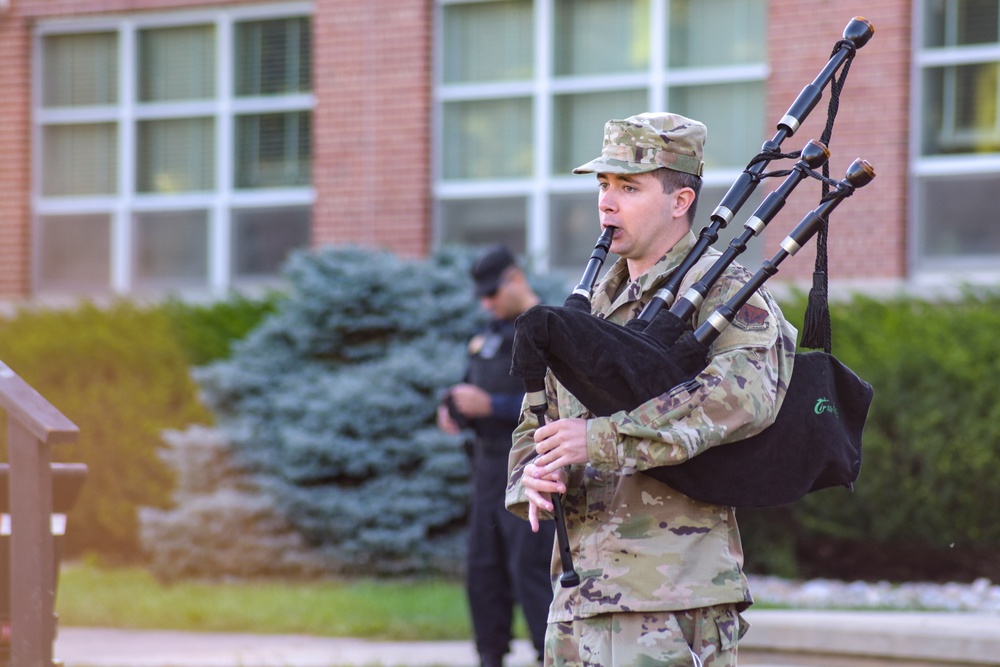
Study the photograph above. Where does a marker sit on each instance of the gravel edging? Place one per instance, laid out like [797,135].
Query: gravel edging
[979,596]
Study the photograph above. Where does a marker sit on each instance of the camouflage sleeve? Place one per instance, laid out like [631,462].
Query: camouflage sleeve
[522,452]
[736,396]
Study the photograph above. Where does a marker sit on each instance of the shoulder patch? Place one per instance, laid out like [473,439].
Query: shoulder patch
[752,318]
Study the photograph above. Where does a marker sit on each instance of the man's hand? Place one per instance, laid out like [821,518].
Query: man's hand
[538,488]
[558,444]
[445,422]
[471,401]
[561,443]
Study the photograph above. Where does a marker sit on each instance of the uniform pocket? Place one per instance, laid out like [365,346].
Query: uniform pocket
[729,624]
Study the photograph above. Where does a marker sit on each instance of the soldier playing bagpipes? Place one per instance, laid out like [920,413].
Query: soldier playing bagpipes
[661,573]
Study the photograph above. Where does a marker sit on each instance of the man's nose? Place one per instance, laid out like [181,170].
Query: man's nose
[607,201]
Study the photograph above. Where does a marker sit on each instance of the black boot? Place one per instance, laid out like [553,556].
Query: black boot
[490,660]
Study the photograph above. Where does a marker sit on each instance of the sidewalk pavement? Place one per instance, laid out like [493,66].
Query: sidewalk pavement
[790,637]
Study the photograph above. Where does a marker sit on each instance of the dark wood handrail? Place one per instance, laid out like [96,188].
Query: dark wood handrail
[33,426]
[25,405]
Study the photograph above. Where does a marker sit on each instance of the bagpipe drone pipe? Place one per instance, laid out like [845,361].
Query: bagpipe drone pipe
[815,441]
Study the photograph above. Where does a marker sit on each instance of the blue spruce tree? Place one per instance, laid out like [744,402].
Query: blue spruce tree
[330,405]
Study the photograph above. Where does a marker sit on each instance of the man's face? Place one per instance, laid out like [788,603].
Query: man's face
[645,217]
[504,302]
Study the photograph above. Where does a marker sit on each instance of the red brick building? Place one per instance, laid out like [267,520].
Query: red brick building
[152,146]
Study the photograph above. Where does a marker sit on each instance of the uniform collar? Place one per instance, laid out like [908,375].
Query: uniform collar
[617,282]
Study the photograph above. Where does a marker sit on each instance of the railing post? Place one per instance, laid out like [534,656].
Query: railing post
[32,549]
[34,425]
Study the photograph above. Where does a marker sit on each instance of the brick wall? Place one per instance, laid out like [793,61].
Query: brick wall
[868,230]
[14,165]
[372,124]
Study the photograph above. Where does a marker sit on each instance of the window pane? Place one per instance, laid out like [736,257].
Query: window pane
[79,159]
[263,239]
[573,232]
[579,124]
[960,109]
[957,216]
[960,22]
[582,43]
[273,57]
[80,70]
[733,114]
[720,32]
[488,41]
[479,222]
[74,252]
[171,249]
[273,150]
[176,155]
[177,63]
[488,139]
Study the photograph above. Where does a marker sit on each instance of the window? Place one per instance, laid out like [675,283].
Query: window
[956,137]
[174,151]
[524,89]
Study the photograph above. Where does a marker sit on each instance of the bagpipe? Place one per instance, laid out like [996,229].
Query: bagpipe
[815,440]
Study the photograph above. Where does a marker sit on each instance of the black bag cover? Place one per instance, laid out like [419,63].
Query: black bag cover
[606,366]
[814,443]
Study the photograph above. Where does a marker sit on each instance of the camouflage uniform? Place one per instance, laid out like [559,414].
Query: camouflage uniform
[640,547]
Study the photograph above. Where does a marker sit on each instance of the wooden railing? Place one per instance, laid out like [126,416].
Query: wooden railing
[34,426]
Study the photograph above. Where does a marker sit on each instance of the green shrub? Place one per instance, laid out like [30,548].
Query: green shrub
[120,375]
[931,458]
[206,331]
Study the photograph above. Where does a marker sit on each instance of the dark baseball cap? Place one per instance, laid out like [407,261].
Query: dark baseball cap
[488,268]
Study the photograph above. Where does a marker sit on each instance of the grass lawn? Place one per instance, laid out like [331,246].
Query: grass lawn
[367,608]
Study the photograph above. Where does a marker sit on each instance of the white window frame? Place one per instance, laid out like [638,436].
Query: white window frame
[219,202]
[542,184]
[942,272]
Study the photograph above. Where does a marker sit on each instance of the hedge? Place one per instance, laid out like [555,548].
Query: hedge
[925,502]
[120,375]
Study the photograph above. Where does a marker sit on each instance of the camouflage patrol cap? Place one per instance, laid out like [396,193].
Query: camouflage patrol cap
[649,141]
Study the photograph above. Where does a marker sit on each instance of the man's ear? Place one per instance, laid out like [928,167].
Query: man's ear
[683,199]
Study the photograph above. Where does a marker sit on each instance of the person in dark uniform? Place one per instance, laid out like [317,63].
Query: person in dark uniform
[507,563]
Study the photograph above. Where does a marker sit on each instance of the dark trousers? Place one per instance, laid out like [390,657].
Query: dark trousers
[507,563]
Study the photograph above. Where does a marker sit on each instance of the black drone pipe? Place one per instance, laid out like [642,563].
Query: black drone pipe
[859,174]
[668,326]
[856,34]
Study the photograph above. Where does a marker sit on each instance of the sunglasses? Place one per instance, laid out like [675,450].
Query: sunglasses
[504,277]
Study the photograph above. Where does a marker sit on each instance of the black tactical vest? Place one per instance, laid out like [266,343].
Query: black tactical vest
[489,368]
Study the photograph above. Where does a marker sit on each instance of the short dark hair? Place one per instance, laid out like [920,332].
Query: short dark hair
[673,180]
